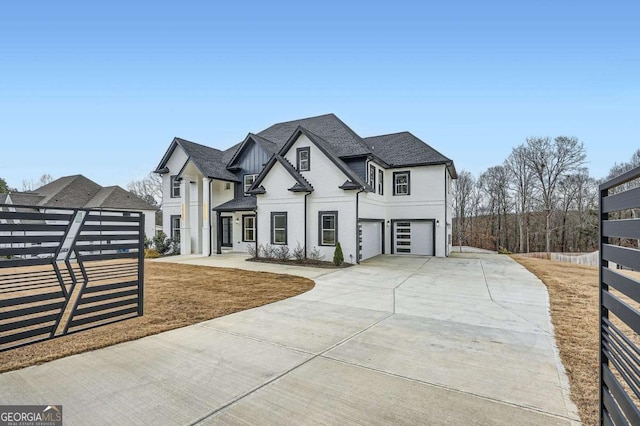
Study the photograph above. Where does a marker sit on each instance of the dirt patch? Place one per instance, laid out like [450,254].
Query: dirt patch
[573,294]
[175,295]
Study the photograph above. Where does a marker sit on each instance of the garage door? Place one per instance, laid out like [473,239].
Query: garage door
[413,237]
[370,239]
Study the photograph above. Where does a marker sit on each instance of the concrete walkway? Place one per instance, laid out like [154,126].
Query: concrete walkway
[397,340]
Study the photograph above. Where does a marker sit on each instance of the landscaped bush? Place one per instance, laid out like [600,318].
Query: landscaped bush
[268,251]
[150,253]
[252,250]
[338,257]
[159,242]
[298,253]
[315,254]
[282,253]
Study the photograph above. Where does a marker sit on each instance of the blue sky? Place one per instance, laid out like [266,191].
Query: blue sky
[101,88]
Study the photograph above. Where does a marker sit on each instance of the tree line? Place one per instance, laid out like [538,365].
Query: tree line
[541,198]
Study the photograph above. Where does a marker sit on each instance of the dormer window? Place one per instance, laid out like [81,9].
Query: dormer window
[304,159]
[248,181]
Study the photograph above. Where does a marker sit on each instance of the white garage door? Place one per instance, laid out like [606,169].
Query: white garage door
[413,237]
[370,239]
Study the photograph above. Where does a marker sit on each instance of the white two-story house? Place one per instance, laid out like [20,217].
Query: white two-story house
[311,182]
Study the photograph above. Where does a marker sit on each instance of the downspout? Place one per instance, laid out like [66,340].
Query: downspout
[255,224]
[209,219]
[305,223]
[357,226]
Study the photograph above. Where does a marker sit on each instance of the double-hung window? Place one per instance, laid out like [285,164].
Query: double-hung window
[248,228]
[248,181]
[372,176]
[380,182]
[401,183]
[175,227]
[175,187]
[278,227]
[328,232]
[304,159]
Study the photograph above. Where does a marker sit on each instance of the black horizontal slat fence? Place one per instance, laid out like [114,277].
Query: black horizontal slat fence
[63,270]
[620,300]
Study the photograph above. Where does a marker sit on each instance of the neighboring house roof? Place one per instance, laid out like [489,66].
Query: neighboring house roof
[114,197]
[343,141]
[242,203]
[68,191]
[24,198]
[208,160]
[3,197]
[404,149]
[79,192]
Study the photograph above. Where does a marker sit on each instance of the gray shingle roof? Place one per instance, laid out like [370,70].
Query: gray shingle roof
[115,197]
[242,203]
[208,160]
[343,141]
[68,191]
[79,192]
[3,197]
[404,149]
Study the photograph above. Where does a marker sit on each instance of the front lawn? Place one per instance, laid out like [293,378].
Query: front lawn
[175,295]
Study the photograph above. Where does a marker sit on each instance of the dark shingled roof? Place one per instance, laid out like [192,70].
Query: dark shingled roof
[68,191]
[208,160]
[3,197]
[114,197]
[242,203]
[79,192]
[404,149]
[343,141]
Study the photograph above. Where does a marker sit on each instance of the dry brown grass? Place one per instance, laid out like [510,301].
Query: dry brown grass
[573,294]
[175,296]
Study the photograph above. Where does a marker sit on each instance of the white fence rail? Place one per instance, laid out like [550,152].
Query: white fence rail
[591,259]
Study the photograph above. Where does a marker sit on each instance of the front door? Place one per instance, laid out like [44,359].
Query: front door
[227,231]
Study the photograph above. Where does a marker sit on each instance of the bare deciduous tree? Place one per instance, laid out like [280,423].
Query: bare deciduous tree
[462,193]
[148,188]
[522,183]
[550,160]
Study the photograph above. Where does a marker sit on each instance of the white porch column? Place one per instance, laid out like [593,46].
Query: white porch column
[206,220]
[185,222]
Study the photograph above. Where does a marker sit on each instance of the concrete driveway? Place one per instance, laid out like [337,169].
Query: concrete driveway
[396,340]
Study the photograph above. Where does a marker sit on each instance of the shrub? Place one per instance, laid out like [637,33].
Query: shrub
[338,257]
[281,253]
[159,242]
[173,246]
[150,253]
[502,250]
[268,251]
[315,254]
[298,253]
[147,242]
[252,250]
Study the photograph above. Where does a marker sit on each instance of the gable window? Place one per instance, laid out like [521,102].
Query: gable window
[380,182]
[175,228]
[227,186]
[304,159]
[248,181]
[372,176]
[175,187]
[248,228]
[278,227]
[401,183]
[328,232]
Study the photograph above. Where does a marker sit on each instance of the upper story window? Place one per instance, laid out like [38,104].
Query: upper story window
[372,176]
[380,182]
[227,186]
[304,159]
[248,181]
[401,183]
[175,187]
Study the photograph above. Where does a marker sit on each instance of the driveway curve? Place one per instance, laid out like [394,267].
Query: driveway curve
[396,340]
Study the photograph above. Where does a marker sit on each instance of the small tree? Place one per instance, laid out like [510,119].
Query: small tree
[159,242]
[338,257]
